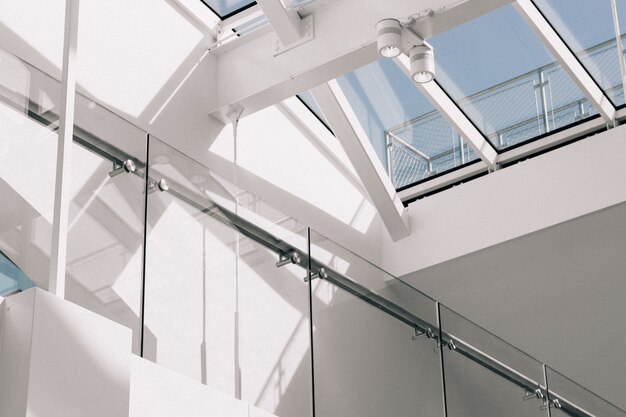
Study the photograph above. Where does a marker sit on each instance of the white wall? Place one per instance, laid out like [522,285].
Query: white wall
[58,359]
[543,191]
[159,392]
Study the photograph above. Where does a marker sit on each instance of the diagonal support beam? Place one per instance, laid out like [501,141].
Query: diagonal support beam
[357,146]
[286,22]
[451,112]
[566,58]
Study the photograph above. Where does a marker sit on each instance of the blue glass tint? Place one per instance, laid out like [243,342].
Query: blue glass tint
[596,49]
[225,8]
[505,80]
[410,137]
[12,279]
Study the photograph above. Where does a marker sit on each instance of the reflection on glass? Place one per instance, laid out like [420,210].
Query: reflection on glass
[29,101]
[105,238]
[410,137]
[217,307]
[505,80]
[225,8]
[367,361]
[476,382]
[568,398]
[595,48]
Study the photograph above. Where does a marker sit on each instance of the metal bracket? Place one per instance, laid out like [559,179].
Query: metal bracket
[552,404]
[319,274]
[308,33]
[160,185]
[288,258]
[127,166]
[529,395]
[418,334]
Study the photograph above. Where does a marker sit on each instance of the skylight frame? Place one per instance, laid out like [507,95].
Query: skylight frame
[231,14]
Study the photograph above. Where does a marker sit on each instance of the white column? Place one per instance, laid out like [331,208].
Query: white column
[58,252]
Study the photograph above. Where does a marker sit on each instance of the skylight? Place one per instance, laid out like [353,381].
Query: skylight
[505,80]
[410,137]
[597,48]
[226,8]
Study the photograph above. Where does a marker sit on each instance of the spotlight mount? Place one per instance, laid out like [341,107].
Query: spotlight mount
[394,37]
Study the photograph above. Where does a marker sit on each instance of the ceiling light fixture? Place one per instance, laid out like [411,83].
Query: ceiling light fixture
[422,63]
[389,37]
[394,37]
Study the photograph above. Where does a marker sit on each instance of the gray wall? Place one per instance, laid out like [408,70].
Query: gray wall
[557,294]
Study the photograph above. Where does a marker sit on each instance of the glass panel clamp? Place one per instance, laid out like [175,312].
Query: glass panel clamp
[319,274]
[288,258]
[553,403]
[127,166]
[160,185]
[529,394]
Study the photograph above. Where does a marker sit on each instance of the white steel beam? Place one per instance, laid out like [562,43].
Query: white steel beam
[451,112]
[360,151]
[285,21]
[251,75]
[58,253]
[566,58]
[620,46]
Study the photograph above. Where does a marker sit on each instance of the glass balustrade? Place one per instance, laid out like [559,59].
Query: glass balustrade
[567,398]
[226,302]
[29,108]
[484,375]
[106,216]
[373,339]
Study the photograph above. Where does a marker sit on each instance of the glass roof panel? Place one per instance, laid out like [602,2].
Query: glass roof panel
[505,80]
[226,8]
[393,112]
[307,98]
[595,48]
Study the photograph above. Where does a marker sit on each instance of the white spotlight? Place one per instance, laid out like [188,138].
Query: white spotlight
[389,37]
[422,59]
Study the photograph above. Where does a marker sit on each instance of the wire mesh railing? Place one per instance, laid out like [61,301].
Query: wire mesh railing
[510,113]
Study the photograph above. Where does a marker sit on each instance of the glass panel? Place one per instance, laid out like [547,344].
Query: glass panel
[367,361]
[29,109]
[12,279]
[485,376]
[105,239]
[596,48]
[218,309]
[575,400]
[505,80]
[307,98]
[225,8]
[410,137]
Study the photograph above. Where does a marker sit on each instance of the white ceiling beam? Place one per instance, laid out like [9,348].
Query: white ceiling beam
[360,151]
[453,114]
[566,58]
[285,21]
[251,75]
